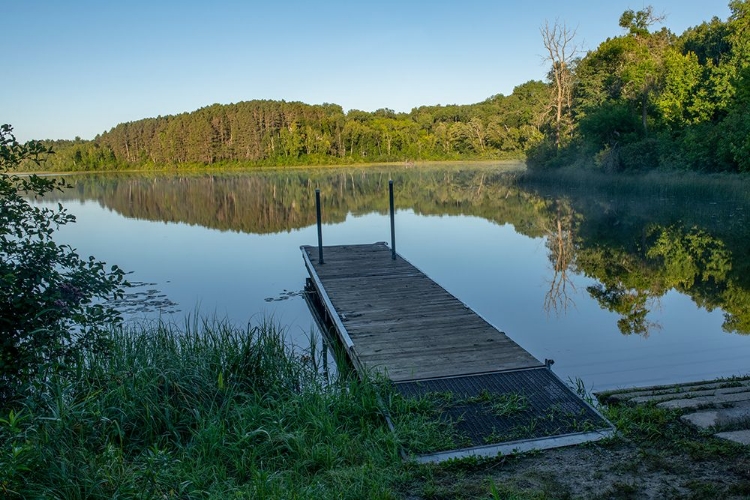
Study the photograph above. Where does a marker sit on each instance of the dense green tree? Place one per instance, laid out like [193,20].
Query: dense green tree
[680,101]
[686,91]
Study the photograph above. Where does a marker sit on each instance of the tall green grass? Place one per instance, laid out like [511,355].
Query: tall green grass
[205,411]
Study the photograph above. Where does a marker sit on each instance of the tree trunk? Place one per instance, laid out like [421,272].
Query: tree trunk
[558,40]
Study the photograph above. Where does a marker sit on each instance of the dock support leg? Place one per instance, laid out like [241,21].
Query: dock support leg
[393,224]
[320,226]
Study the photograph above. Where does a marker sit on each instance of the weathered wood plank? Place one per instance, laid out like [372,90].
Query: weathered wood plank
[406,343]
[403,373]
[412,329]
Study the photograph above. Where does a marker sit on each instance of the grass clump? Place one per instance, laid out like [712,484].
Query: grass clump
[501,405]
[208,411]
[419,425]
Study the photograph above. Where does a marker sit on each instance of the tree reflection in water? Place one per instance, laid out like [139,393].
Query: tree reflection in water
[560,243]
[637,239]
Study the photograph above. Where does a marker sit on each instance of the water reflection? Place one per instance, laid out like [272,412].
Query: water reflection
[561,243]
[665,264]
[637,248]
[636,244]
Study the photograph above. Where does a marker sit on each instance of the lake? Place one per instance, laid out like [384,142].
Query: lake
[630,283]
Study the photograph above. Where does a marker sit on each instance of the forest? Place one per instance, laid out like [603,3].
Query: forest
[295,133]
[642,100]
[649,98]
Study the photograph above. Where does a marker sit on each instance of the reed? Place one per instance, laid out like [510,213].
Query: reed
[207,410]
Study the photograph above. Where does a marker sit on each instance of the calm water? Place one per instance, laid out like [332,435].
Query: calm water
[620,287]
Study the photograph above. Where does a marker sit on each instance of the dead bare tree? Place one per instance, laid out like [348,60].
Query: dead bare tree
[560,242]
[558,40]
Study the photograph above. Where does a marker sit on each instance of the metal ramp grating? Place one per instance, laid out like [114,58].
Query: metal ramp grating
[508,411]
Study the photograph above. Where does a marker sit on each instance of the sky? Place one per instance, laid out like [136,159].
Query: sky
[78,68]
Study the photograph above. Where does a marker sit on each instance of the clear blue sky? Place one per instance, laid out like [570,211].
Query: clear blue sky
[78,68]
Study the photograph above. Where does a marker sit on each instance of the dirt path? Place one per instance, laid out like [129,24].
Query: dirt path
[620,469]
[659,452]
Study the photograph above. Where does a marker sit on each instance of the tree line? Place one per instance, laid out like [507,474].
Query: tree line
[644,99]
[294,133]
[650,98]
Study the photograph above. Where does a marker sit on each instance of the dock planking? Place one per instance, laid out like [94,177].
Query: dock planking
[401,323]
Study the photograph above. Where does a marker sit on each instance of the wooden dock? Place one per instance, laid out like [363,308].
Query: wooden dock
[393,319]
[403,324]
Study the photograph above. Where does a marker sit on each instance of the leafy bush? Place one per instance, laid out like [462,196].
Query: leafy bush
[639,156]
[52,302]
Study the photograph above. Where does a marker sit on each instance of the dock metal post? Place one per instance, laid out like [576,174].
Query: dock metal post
[393,224]
[320,226]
